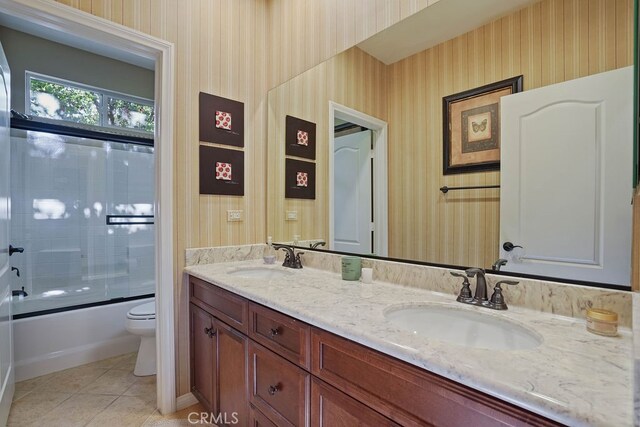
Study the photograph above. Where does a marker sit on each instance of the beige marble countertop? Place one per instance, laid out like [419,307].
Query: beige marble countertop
[573,377]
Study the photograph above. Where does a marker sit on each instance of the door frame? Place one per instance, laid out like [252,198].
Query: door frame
[380,183]
[56,16]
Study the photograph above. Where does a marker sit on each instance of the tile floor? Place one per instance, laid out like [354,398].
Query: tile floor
[104,393]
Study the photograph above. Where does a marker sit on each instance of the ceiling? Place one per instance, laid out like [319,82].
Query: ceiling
[62,37]
[435,24]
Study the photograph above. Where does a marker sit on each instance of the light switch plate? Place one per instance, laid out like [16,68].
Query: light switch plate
[234,215]
[292,215]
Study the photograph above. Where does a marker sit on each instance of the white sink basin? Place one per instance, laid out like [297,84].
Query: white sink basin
[463,327]
[266,273]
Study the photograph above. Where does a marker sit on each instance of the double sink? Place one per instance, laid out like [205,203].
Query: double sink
[464,326]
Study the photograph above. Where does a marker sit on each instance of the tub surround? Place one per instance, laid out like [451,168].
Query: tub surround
[53,342]
[574,377]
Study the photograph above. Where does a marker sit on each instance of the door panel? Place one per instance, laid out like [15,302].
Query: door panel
[6,338]
[233,382]
[566,178]
[202,357]
[352,193]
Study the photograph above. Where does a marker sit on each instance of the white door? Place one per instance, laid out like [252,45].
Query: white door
[352,193]
[6,338]
[566,178]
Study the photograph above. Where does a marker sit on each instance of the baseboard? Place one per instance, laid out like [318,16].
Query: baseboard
[185,401]
[70,358]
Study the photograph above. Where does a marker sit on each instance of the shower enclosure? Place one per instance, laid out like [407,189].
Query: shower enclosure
[83,210]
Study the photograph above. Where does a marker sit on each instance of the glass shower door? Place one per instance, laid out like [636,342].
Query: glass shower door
[78,204]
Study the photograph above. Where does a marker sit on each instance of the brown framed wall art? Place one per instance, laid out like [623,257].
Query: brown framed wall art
[300,137]
[471,127]
[300,179]
[221,120]
[221,171]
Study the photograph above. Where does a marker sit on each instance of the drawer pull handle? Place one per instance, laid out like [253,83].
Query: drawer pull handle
[273,389]
[273,332]
[210,332]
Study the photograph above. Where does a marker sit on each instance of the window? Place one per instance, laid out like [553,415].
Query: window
[57,99]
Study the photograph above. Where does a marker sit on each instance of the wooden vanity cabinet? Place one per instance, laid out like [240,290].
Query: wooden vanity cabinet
[273,370]
[405,393]
[219,352]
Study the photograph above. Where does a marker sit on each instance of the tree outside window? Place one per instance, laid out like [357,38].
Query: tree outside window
[57,100]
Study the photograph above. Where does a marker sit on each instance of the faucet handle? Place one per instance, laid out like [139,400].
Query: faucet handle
[497,299]
[465,292]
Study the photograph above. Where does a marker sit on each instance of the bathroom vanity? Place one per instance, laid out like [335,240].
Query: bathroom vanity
[282,347]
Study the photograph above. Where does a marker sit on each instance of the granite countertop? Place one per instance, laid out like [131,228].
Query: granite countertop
[573,377]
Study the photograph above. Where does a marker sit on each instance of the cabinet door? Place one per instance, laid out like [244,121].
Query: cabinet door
[332,408]
[203,350]
[258,420]
[232,376]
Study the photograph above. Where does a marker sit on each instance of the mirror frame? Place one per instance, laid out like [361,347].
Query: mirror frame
[459,267]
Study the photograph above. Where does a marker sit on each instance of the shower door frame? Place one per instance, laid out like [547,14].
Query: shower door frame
[58,17]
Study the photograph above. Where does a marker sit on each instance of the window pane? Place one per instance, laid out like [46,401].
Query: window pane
[128,114]
[57,101]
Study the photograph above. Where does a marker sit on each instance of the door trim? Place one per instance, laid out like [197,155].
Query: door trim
[57,17]
[380,185]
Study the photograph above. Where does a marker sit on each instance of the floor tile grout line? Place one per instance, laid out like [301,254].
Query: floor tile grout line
[99,412]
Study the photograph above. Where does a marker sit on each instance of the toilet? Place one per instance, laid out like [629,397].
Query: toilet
[141,320]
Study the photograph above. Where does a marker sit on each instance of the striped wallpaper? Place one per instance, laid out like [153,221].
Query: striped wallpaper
[237,49]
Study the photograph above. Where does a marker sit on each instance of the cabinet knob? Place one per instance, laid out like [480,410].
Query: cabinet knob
[210,331]
[274,331]
[273,389]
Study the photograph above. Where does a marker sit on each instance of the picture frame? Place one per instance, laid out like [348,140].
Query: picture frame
[300,179]
[471,127]
[221,120]
[221,171]
[300,137]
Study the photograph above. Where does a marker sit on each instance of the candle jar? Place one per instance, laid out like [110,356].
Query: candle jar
[602,322]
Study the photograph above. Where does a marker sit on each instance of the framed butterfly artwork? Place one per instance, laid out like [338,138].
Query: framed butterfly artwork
[471,127]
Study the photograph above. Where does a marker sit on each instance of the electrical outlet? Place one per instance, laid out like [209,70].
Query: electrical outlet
[233,215]
[292,215]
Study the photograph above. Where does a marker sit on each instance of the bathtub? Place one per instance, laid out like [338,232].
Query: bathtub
[53,342]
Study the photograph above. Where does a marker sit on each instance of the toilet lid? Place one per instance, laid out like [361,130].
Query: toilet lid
[145,310]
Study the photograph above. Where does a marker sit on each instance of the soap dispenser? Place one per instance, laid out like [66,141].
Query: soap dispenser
[270,252]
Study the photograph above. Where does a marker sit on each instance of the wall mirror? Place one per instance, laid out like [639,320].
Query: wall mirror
[378,115]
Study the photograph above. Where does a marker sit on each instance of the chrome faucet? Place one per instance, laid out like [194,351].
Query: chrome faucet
[479,298]
[499,263]
[291,258]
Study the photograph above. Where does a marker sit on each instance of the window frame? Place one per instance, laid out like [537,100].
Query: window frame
[104,95]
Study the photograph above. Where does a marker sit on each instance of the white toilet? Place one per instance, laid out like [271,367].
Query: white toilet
[141,320]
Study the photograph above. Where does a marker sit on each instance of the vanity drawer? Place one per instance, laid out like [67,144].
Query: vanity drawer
[406,394]
[226,306]
[279,389]
[256,419]
[284,335]
[330,407]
